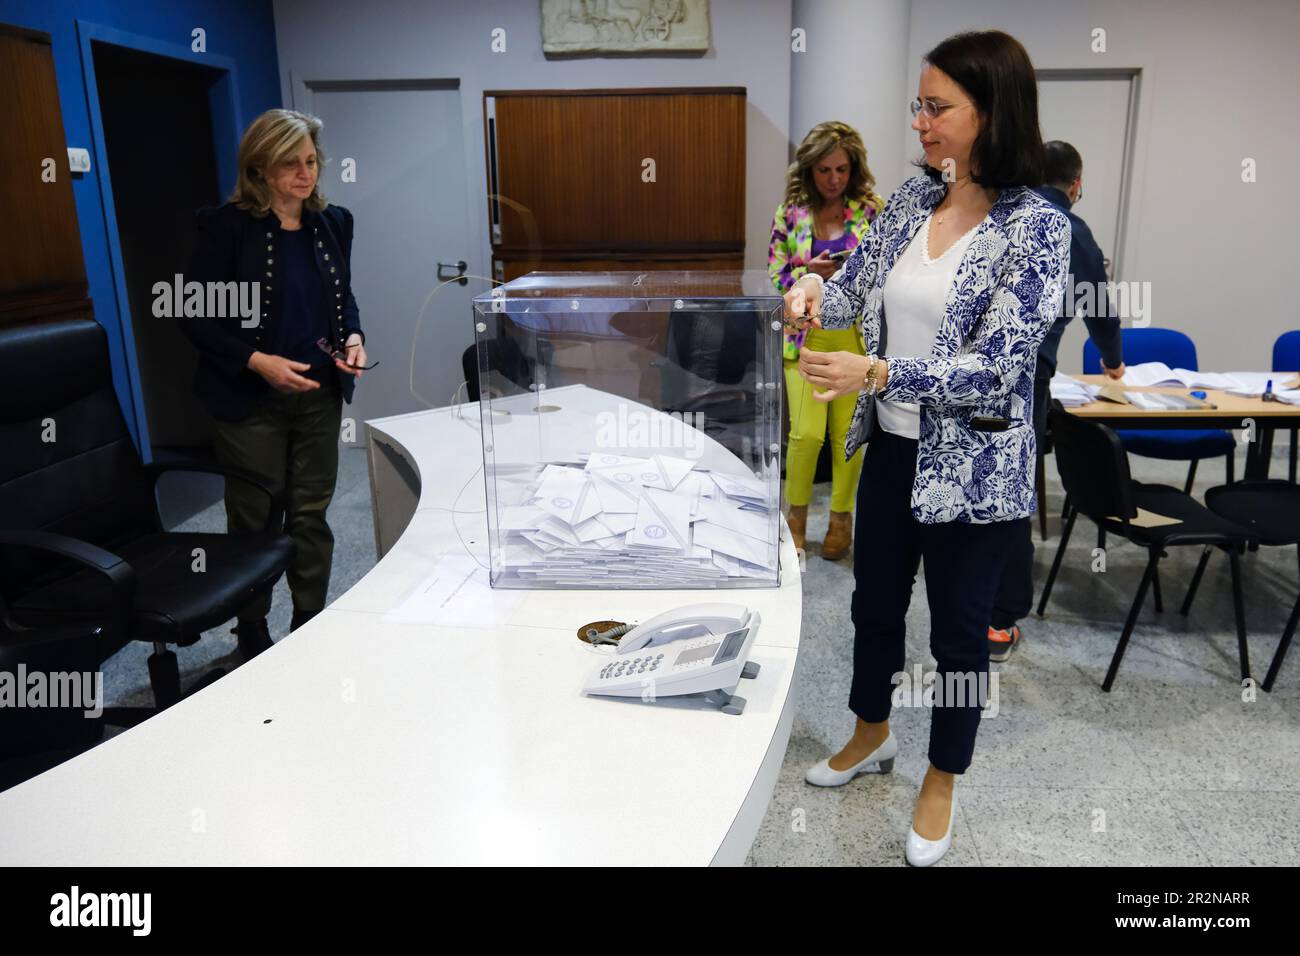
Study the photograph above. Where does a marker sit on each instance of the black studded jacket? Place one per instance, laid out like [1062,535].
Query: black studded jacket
[233,245]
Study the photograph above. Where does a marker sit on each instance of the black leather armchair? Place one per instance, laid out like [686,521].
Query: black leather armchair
[81,539]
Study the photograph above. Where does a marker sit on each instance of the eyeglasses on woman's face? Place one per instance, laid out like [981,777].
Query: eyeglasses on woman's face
[932,109]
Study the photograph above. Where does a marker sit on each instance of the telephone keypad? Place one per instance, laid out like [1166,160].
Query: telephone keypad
[651,660]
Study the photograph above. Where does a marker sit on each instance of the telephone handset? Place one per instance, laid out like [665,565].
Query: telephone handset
[693,620]
[699,648]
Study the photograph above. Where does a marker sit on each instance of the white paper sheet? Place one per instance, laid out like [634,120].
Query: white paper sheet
[663,523]
[740,546]
[456,594]
[725,515]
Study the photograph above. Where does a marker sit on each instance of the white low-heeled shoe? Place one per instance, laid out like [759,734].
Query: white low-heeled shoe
[821,774]
[923,852]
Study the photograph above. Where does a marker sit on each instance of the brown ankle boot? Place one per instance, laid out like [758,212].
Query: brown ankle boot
[839,536]
[798,521]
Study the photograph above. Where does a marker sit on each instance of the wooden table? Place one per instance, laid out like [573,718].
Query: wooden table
[1231,412]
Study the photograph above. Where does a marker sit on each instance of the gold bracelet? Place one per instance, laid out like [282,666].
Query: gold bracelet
[870,380]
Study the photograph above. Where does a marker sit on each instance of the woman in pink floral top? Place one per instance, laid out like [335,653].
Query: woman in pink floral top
[829,204]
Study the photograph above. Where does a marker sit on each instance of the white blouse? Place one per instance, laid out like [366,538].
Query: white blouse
[916,291]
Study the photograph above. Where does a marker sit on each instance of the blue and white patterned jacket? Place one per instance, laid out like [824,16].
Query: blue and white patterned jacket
[1006,295]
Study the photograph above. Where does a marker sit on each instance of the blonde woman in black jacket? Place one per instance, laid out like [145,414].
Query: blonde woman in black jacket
[275,386]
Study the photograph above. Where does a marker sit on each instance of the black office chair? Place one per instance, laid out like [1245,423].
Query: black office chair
[80,536]
[1094,471]
[1270,510]
[709,370]
[506,361]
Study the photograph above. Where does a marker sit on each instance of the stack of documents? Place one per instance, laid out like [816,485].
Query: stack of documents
[1071,392]
[1254,384]
[621,520]
[1160,402]
[1289,395]
[1239,383]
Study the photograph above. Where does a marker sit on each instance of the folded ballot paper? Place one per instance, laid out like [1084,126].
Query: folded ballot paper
[615,520]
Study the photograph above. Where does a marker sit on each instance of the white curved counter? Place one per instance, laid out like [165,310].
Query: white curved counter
[362,740]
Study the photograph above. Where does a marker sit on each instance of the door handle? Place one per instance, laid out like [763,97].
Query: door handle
[460,267]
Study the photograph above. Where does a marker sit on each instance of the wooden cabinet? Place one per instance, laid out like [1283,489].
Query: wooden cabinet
[42,270]
[636,179]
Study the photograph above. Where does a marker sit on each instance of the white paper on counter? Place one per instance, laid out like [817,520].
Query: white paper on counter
[456,594]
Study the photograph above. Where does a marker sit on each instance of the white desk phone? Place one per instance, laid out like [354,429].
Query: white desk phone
[699,648]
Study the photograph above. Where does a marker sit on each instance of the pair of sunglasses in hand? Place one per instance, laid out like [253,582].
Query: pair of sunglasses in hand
[340,355]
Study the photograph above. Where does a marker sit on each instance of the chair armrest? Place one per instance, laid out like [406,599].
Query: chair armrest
[15,642]
[120,575]
[279,503]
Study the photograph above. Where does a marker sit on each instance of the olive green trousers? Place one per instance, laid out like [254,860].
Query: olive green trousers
[293,440]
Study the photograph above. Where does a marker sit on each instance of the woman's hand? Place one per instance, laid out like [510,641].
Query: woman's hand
[1114,374]
[803,305]
[837,373]
[282,373]
[354,353]
[824,265]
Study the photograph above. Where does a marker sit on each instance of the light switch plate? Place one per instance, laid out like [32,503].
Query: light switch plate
[79,160]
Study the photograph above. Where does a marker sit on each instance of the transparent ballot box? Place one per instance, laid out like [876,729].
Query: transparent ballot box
[631,429]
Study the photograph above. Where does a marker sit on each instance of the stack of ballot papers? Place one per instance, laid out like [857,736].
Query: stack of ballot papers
[1071,392]
[614,520]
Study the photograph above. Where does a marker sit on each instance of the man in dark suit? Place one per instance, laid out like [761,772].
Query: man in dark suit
[1064,188]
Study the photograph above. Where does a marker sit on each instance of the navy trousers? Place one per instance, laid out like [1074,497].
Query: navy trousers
[963,566]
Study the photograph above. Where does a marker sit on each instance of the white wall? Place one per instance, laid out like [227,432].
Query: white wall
[1219,83]
[855,70]
[392,39]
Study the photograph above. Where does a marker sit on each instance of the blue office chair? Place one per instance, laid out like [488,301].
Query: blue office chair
[1286,358]
[1176,444]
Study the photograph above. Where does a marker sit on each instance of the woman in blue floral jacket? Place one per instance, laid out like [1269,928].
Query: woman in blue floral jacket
[955,286]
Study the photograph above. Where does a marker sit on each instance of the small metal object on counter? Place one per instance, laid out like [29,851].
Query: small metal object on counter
[603,632]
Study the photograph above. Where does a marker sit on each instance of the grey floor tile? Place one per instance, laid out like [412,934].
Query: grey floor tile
[1254,828]
[1192,740]
[1014,826]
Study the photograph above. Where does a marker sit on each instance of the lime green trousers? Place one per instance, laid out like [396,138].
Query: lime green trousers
[809,420]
